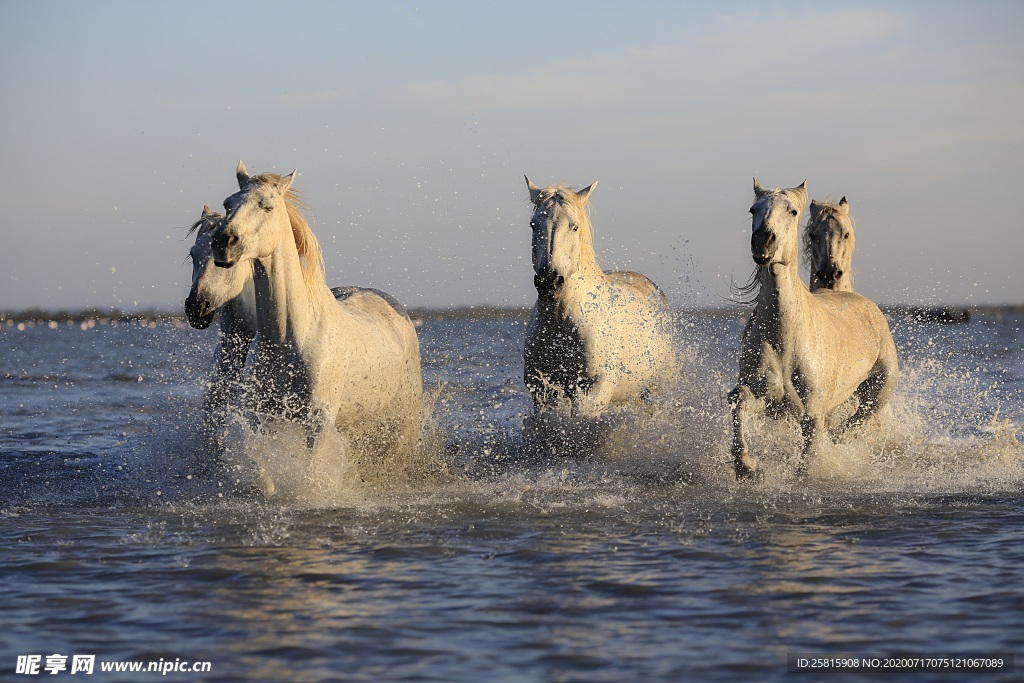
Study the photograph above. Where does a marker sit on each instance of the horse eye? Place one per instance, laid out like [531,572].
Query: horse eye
[533,224]
[574,227]
[794,212]
[846,235]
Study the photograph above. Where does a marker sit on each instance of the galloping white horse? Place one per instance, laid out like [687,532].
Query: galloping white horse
[231,292]
[597,338]
[828,246]
[803,353]
[354,363]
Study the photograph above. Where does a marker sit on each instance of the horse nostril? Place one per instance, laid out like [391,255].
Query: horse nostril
[839,274]
[232,240]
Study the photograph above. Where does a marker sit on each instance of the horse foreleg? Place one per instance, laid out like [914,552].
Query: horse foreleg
[594,398]
[314,426]
[872,394]
[740,399]
[810,429]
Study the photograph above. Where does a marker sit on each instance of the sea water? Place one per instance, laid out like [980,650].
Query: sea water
[126,538]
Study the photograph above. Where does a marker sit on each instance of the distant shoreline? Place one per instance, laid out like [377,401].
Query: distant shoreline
[93,316]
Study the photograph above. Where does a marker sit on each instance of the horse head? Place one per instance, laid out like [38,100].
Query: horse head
[775,223]
[212,287]
[561,235]
[256,216]
[828,245]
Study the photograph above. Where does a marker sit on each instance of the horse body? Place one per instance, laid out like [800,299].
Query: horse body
[353,363]
[597,339]
[829,241]
[805,353]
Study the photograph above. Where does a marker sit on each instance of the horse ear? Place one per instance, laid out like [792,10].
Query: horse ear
[534,190]
[802,188]
[584,194]
[815,207]
[845,205]
[206,211]
[758,190]
[242,175]
[286,182]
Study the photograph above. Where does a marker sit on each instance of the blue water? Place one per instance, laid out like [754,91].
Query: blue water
[644,560]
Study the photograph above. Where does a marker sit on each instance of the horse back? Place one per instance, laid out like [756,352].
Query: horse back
[639,283]
[343,293]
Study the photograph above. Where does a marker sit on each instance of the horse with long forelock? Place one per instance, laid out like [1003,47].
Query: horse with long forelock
[595,339]
[829,241]
[804,353]
[352,362]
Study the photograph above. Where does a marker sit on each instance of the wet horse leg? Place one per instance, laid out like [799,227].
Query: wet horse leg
[872,394]
[742,399]
[810,429]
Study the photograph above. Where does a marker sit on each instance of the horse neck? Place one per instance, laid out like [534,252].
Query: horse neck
[783,294]
[239,314]
[285,310]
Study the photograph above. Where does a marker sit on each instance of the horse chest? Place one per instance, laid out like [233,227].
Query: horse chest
[777,375]
[280,381]
[555,354]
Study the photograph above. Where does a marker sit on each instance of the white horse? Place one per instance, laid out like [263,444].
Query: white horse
[828,246]
[353,363]
[595,339]
[231,292]
[803,353]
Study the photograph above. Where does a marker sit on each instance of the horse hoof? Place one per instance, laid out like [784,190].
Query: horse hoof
[266,484]
[746,473]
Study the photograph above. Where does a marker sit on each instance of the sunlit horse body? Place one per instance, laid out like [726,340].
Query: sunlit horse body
[231,292]
[829,241]
[352,363]
[804,354]
[595,339]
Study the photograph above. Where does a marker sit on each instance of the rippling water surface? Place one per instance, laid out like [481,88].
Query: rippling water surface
[643,560]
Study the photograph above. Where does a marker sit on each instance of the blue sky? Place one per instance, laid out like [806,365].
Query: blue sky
[412,124]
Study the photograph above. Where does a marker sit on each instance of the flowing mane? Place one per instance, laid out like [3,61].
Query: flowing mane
[306,243]
[205,224]
[746,294]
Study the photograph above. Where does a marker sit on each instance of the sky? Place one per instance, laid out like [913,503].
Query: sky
[412,124]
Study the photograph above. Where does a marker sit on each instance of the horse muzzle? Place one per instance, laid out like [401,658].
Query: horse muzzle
[762,246]
[828,277]
[548,284]
[198,312]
